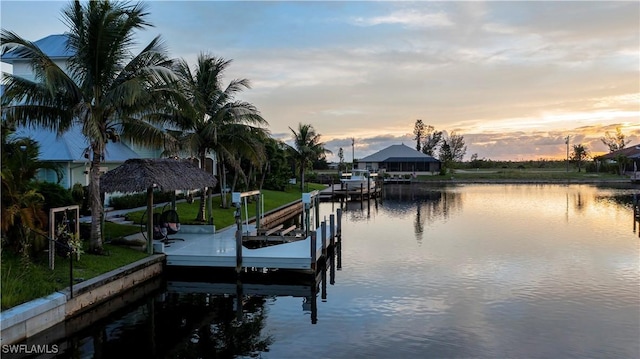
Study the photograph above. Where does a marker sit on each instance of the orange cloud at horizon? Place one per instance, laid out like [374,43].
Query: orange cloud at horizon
[499,146]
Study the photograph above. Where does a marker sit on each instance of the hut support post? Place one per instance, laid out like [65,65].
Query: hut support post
[150,220]
[210,205]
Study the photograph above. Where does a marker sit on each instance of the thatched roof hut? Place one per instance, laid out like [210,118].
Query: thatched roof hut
[165,174]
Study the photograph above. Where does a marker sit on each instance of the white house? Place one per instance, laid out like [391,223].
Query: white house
[68,150]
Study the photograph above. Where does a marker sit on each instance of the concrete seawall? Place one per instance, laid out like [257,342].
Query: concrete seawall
[28,319]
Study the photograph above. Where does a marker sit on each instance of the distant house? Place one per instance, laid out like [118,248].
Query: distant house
[632,153]
[68,150]
[400,159]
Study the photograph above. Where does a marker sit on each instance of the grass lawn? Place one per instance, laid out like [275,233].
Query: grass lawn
[22,282]
[223,217]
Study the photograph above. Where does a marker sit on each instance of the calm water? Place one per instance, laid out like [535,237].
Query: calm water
[472,271]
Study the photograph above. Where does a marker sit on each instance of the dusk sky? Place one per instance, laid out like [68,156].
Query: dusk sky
[514,78]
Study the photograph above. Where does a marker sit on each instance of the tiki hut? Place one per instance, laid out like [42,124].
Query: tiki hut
[165,174]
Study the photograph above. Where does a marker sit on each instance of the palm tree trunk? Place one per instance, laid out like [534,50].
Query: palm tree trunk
[97,209]
[264,175]
[302,177]
[223,195]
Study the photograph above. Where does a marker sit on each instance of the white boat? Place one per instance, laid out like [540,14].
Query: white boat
[358,179]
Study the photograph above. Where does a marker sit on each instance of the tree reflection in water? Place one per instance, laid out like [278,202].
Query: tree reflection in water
[220,333]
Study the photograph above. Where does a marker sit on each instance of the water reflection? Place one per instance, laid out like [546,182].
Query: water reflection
[482,271]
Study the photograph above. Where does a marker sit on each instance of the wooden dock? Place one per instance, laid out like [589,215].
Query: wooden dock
[337,192]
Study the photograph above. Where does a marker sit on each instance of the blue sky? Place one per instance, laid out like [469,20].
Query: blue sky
[514,78]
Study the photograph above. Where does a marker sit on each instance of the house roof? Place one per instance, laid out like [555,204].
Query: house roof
[55,46]
[398,153]
[71,145]
[632,152]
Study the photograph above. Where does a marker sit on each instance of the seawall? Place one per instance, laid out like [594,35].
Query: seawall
[26,320]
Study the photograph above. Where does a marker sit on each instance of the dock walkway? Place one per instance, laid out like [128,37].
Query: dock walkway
[219,250]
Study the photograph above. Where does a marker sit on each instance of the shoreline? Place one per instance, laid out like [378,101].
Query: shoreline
[526,181]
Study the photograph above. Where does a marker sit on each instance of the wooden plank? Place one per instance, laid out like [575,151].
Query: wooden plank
[287,230]
[274,230]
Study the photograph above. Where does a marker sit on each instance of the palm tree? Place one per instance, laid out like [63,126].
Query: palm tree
[307,148]
[213,117]
[244,150]
[107,91]
[22,205]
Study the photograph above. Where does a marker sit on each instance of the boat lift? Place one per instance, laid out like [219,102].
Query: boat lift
[310,200]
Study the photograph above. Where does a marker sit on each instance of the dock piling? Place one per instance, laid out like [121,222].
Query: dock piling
[313,250]
[332,230]
[323,233]
[238,251]
[339,227]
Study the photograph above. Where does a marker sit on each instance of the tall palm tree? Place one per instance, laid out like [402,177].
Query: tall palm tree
[107,91]
[307,148]
[213,113]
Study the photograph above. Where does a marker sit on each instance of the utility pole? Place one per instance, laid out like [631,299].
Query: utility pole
[353,153]
[567,143]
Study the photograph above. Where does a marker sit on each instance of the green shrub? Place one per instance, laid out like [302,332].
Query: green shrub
[54,195]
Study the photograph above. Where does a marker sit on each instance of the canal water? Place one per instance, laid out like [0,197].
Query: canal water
[467,271]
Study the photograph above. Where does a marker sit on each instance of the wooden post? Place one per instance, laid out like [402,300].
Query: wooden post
[307,217]
[313,250]
[238,250]
[258,201]
[316,203]
[150,220]
[339,255]
[332,229]
[323,233]
[209,205]
[332,268]
[323,294]
[314,304]
[339,226]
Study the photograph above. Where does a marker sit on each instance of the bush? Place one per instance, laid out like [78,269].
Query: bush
[54,195]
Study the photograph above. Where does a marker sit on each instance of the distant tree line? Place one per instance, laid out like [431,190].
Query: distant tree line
[450,149]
